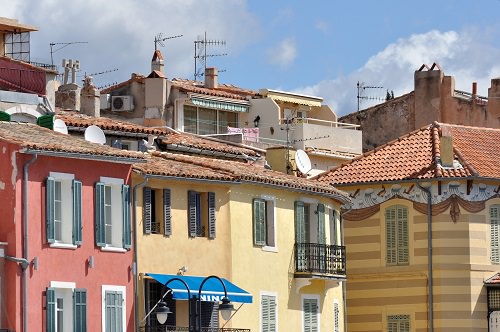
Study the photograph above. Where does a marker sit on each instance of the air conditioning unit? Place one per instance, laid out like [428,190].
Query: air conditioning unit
[122,103]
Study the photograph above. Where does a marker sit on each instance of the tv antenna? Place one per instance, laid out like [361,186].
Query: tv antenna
[159,39]
[361,89]
[62,45]
[200,54]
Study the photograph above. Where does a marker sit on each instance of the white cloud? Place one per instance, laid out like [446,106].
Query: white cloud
[284,53]
[464,55]
[322,26]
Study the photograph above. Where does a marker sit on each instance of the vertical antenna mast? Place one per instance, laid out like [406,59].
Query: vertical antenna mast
[361,89]
[200,54]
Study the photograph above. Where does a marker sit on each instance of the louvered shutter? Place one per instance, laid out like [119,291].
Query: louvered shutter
[310,315]
[211,215]
[51,310]
[268,313]
[403,242]
[167,215]
[146,197]
[321,224]
[50,206]
[299,222]
[335,227]
[210,315]
[494,233]
[390,232]
[100,231]
[127,228]
[77,212]
[336,318]
[259,222]
[80,310]
[192,212]
[114,311]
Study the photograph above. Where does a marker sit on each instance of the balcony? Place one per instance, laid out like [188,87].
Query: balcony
[319,260]
[186,329]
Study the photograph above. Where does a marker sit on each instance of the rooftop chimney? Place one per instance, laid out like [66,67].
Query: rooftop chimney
[157,62]
[211,78]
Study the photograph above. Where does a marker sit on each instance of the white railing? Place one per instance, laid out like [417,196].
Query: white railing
[326,123]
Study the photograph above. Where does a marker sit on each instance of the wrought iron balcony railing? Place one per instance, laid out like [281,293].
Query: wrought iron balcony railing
[186,329]
[320,258]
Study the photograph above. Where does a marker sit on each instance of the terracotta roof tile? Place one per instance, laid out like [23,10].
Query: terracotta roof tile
[418,156]
[36,138]
[223,90]
[168,164]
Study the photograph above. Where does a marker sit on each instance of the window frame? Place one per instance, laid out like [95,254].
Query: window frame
[116,289]
[197,122]
[269,230]
[202,214]
[394,254]
[311,297]
[392,318]
[270,295]
[152,214]
[70,210]
[75,303]
[494,234]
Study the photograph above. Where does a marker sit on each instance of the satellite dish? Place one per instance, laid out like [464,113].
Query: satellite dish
[302,161]
[60,126]
[94,134]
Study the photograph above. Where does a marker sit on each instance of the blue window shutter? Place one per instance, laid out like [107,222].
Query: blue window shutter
[300,226]
[100,236]
[50,194]
[77,212]
[127,230]
[80,310]
[51,310]
[146,198]
[259,222]
[211,215]
[192,213]
[167,215]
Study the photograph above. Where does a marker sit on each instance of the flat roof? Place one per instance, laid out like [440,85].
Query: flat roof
[13,25]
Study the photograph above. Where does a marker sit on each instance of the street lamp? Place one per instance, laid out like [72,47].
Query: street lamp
[162,311]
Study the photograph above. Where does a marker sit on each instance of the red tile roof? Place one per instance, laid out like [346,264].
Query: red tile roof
[134,78]
[223,90]
[38,139]
[417,155]
[184,142]
[194,167]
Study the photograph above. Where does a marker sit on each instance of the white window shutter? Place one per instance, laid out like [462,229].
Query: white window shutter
[494,232]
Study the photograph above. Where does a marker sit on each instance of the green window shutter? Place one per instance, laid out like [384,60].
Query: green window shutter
[127,228]
[403,241]
[259,222]
[113,311]
[321,224]
[211,215]
[4,116]
[146,196]
[80,310]
[390,232]
[51,310]
[494,234]
[192,212]
[300,231]
[167,214]
[50,206]
[268,304]
[100,230]
[77,212]
[310,315]
[46,121]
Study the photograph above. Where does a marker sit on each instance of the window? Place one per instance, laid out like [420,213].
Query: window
[268,305]
[113,306]
[336,318]
[201,214]
[66,308]
[210,315]
[334,228]
[154,292]
[398,323]
[307,231]
[157,215]
[310,313]
[396,229]
[206,121]
[112,213]
[17,46]
[63,210]
[264,222]
[494,232]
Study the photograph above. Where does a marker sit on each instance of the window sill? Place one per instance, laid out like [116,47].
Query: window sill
[270,249]
[113,249]
[63,246]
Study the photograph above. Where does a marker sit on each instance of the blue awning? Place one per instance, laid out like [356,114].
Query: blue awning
[212,288]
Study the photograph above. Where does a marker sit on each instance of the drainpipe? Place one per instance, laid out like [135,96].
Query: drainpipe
[26,252]
[136,277]
[430,315]
[344,282]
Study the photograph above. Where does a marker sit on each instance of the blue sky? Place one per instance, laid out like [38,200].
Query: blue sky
[322,48]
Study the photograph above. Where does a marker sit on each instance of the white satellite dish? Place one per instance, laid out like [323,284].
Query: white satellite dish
[302,161]
[60,126]
[94,134]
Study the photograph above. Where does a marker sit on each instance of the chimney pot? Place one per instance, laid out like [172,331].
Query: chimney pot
[211,78]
